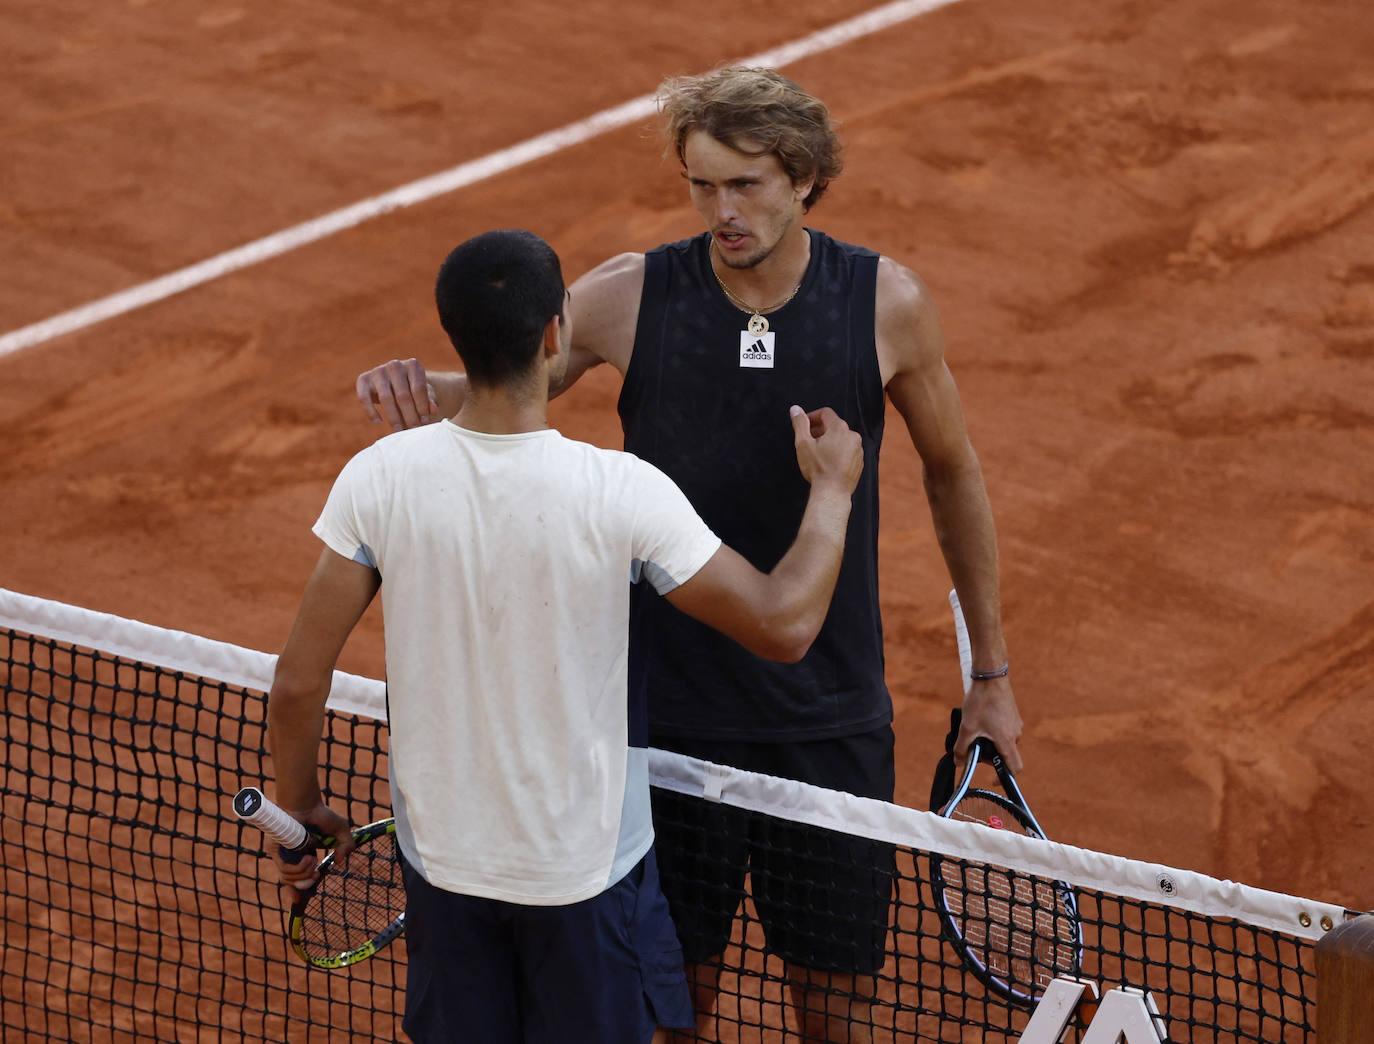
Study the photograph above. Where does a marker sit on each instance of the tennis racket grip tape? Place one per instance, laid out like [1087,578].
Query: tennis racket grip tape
[253,806]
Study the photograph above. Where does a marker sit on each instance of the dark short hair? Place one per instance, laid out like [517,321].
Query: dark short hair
[496,293]
[755,111]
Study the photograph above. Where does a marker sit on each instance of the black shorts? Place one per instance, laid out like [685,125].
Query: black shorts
[605,969]
[824,898]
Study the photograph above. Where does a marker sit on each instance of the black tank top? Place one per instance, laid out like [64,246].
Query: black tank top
[697,404]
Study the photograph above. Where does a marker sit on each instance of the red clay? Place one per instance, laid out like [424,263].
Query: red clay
[1148,227]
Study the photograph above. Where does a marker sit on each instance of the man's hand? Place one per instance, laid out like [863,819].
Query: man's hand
[398,394]
[990,710]
[298,876]
[828,452]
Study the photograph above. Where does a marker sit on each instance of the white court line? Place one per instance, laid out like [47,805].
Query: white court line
[436,185]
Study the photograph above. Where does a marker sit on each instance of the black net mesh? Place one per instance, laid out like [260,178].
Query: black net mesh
[135,907]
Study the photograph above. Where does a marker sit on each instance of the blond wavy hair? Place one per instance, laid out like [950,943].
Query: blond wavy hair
[755,111]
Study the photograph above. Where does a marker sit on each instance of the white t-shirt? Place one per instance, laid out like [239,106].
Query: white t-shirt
[505,564]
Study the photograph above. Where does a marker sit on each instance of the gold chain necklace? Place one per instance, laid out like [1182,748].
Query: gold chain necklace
[757,325]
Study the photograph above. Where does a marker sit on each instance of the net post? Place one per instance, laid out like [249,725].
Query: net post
[1345,982]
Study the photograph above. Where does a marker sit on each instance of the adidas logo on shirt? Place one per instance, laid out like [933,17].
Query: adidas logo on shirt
[756,352]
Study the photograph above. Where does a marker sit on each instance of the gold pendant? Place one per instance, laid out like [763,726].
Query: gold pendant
[758,325]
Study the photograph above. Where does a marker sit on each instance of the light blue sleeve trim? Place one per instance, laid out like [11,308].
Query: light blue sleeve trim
[661,579]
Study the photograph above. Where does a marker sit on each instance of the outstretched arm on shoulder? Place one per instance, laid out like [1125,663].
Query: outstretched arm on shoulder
[603,308]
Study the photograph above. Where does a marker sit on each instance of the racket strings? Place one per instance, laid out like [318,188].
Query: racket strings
[354,903]
[1022,928]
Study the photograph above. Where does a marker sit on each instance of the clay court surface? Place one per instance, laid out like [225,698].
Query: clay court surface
[1148,226]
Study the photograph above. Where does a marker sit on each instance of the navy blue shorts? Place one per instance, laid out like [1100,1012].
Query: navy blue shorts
[823,898]
[605,969]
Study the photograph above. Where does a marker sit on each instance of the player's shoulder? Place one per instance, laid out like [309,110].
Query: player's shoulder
[614,473]
[398,449]
[907,321]
[629,260]
[383,464]
[822,240]
[900,284]
[615,460]
[411,441]
[609,289]
[619,272]
[605,309]
[612,459]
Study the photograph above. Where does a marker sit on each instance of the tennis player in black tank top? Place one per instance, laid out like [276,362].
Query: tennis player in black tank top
[685,376]
[715,337]
[826,719]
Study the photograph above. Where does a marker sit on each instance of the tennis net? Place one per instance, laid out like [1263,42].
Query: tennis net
[135,908]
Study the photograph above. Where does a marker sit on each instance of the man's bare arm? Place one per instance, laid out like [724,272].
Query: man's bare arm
[778,614]
[919,384]
[603,307]
[338,592]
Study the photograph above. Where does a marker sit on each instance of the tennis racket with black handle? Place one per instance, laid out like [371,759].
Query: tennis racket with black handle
[1015,931]
[351,911]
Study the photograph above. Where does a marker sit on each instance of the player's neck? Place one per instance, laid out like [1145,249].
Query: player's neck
[775,277]
[505,409]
